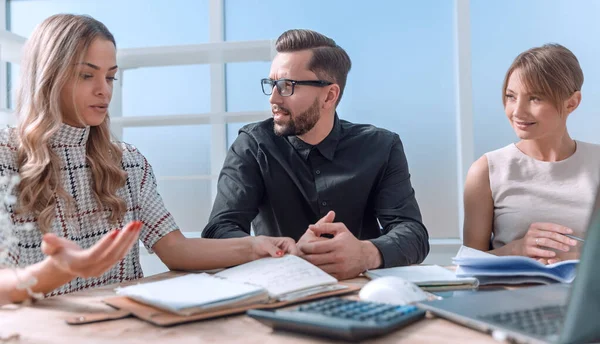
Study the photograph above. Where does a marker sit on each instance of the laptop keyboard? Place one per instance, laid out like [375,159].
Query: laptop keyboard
[542,322]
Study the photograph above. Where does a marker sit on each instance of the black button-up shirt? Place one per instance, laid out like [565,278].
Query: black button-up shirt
[282,184]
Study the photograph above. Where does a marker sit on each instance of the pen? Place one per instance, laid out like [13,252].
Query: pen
[574,237]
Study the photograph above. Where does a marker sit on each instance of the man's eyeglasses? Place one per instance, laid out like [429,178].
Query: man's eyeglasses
[286,87]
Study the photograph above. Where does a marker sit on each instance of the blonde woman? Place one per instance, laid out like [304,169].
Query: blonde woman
[78,187]
[534,197]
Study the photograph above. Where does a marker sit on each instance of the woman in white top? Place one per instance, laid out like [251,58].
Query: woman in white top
[78,187]
[524,199]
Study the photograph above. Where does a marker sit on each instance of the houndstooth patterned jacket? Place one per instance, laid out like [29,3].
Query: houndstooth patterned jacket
[88,223]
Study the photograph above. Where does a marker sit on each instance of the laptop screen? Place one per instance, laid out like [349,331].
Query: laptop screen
[583,312]
[594,213]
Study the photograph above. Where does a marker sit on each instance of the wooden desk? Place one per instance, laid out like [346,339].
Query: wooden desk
[43,322]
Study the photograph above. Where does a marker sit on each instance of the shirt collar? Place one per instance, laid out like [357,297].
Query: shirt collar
[300,146]
[68,136]
[326,147]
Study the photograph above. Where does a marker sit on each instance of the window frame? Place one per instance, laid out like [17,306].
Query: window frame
[217,53]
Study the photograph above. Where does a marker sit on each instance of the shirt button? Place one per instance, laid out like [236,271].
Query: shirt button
[318,171]
[324,203]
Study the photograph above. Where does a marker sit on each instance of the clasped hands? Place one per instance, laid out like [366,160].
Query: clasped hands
[343,256]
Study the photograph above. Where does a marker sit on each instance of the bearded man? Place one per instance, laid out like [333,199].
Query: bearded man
[342,190]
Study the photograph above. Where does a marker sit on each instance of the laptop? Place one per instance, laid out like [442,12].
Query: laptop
[556,313]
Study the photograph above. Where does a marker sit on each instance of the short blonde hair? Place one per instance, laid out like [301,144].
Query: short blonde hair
[551,71]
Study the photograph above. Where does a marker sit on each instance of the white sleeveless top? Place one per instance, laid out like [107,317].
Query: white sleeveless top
[526,190]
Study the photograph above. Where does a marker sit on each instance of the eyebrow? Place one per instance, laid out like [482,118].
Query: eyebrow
[96,67]
[508,90]
[531,94]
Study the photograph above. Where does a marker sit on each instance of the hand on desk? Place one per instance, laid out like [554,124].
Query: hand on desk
[94,261]
[265,246]
[539,238]
[343,256]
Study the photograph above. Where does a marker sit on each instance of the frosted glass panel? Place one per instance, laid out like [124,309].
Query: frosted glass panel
[401,79]
[173,150]
[166,90]
[244,92]
[134,23]
[500,33]
[232,132]
[188,200]
[13,70]
[146,91]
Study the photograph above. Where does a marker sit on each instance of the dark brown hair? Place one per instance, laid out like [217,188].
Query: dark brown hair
[329,61]
[551,71]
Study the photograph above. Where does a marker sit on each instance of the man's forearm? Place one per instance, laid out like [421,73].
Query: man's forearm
[406,244]
[48,277]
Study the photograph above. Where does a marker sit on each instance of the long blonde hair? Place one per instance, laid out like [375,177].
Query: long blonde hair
[49,61]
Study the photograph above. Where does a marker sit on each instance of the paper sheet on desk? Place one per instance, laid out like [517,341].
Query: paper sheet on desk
[429,277]
[280,276]
[467,252]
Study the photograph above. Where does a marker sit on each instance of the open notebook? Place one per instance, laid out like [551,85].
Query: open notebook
[491,269]
[428,277]
[262,281]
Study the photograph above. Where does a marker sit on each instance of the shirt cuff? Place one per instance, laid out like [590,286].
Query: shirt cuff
[237,233]
[223,232]
[151,240]
[390,254]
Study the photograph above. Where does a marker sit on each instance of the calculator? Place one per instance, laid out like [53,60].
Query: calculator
[340,318]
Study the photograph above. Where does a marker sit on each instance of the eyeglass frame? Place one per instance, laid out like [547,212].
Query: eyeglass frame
[315,83]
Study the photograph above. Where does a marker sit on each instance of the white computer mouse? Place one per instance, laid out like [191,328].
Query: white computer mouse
[392,290]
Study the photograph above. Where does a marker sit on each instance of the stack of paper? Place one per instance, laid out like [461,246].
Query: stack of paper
[428,277]
[491,269]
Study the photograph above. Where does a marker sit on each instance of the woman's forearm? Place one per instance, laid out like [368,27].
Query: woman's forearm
[47,275]
[181,253]
[506,250]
